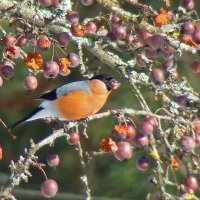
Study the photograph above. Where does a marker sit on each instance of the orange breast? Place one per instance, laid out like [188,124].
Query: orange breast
[78,104]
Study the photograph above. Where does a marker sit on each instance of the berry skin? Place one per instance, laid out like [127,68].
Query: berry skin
[13,52]
[115,19]
[188,4]
[74,138]
[43,42]
[87,2]
[157,76]
[141,140]
[130,132]
[191,183]
[129,38]
[91,27]
[182,100]
[72,17]
[50,69]
[146,128]
[74,59]
[119,32]
[188,27]
[30,83]
[197,126]
[150,53]
[124,151]
[53,160]
[9,40]
[196,66]
[187,144]
[45,3]
[142,163]
[7,71]
[168,64]
[21,40]
[1,81]
[196,35]
[49,188]
[152,121]
[156,42]
[63,39]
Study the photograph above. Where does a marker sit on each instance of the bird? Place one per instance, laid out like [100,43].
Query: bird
[72,101]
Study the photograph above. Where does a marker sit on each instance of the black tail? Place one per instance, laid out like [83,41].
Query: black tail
[12,126]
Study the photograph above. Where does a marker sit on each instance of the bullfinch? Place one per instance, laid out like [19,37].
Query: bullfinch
[73,101]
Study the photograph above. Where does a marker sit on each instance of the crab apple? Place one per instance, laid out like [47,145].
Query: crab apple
[168,64]
[143,163]
[30,83]
[129,38]
[55,3]
[119,32]
[157,76]
[191,182]
[74,138]
[9,40]
[13,52]
[7,71]
[196,66]
[74,59]
[103,32]
[115,19]
[45,3]
[142,35]
[63,39]
[21,40]
[53,160]
[1,81]
[187,144]
[87,2]
[49,188]
[182,100]
[146,128]
[188,4]
[156,42]
[140,61]
[72,17]
[50,69]
[188,27]
[130,132]
[151,120]
[124,151]
[141,140]
[196,35]
[150,53]
[43,42]
[91,27]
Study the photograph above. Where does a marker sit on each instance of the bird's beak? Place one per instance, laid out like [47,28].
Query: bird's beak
[115,84]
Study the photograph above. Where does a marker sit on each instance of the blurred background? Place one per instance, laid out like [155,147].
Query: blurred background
[108,177]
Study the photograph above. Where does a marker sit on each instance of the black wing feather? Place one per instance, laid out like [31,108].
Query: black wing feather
[51,95]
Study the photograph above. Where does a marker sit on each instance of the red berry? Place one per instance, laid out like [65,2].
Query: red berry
[72,17]
[45,3]
[196,35]
[21,40]
[140,61]
[74,59]
[182,100]
[74,138]
[87,2]
[55,3]
[187,144]
[115,19]
[124,151]
[9,40]
[188,4]
[130,132]
[91,27]
[1,81]
[7,71]
[150,53]
[141,140]
[50,69]
[49,188]
[156,42]
[191,183]
[119,32]
[142,35]
[157,76]
[43,42]
[30,83]
[12,52]
[151,120]
[168,64]
[129,38]
[146,128]
[143,163]
[196,66]
[188,27]
[63,39]
[53,160]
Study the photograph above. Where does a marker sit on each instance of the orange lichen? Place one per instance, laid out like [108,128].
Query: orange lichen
[108,145]
[33,61]
[162,18]
[175,163]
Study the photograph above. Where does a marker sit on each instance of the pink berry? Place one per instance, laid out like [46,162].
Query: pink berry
[87,2]
[49,188]
[72,17]
[7,71]
[151,120]
[45,3]
[9,40]
[143,163]
[150,53]
[168,64]
[91,27]
[156,42]
[129,38]
[21,40]
[74,138]
[55,3]
[182,100]
[188,27]
[13,52]
[191,182]
[187,144]
[115,19]
[146,128]
[140,61]
[63,39]
[130,132]
[142,35]
[188,4]
[30,83]
[157,76]
[50,69]
[196,66]
[141,140]
[53,160]
[74,59]
[124,151]
[103,32]
[119,32]
[1,81]
[196,35]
